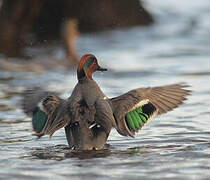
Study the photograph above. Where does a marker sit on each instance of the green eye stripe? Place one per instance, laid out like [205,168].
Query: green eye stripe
[88,63]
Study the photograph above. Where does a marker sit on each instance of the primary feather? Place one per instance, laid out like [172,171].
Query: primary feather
[161,99]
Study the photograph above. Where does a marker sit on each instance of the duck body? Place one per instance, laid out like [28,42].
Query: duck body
[91,116]
[88,115]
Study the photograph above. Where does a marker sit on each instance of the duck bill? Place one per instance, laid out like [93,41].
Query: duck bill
[101,69]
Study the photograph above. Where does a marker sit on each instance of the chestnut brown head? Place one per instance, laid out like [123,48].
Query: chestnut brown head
[87,66]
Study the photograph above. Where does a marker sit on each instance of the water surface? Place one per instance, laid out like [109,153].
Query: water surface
[171,146]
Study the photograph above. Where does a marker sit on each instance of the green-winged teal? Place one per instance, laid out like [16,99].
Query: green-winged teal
[88,115]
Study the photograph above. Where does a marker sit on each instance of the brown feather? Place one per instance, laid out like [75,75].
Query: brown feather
[164,98]
[31,98]
[51,104]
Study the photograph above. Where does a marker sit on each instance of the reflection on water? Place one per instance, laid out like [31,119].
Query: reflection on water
[62,152]
[172,146]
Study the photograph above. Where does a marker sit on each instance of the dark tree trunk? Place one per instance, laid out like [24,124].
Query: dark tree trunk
[16,20]
[95,15]
[44,19]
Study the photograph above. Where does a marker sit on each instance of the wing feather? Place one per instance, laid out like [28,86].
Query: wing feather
[164,98]
[50,104]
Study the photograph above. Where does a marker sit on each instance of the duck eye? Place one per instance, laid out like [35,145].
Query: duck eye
[91,60]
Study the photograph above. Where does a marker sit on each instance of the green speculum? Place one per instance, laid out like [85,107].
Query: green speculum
[38,120]
[136,119]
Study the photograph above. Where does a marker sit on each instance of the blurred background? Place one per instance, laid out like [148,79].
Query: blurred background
[142,43]
[45,22]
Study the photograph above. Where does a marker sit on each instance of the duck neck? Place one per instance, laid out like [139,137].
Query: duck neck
[84,75]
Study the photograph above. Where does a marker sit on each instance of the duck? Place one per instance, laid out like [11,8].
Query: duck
[88,115]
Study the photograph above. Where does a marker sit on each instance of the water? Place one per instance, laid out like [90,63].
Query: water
[172,146]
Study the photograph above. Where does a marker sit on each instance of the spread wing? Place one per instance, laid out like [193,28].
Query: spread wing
[48,111]
[135,108]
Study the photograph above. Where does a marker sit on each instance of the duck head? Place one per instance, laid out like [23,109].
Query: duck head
[87,66]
